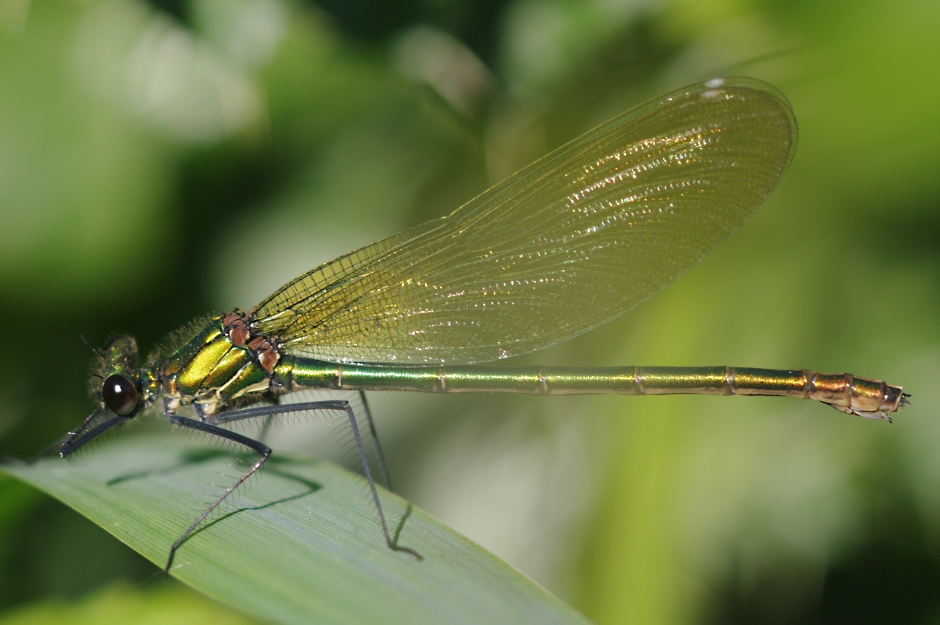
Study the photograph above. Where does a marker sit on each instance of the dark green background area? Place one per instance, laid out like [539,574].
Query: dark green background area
[160,161]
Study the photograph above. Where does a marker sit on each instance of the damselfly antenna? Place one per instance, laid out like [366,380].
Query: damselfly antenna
[94,350]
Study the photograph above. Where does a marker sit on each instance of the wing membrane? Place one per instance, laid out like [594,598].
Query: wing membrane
[568,243]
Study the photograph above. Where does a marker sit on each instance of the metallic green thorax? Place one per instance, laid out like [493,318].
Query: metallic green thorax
[212,369]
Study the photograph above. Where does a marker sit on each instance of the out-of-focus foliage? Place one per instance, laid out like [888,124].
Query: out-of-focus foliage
[158,161]
[120,604]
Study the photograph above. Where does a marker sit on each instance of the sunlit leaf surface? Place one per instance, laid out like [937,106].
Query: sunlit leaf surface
[300,545]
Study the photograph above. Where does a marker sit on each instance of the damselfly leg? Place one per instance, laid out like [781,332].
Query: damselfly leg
[211,425]
[263,451]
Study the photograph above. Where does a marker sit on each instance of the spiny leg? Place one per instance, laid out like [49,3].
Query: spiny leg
[270,411]
[269,419]
[75,442]
[263,451]
[375,494]
[66,440]
[380,457]
[71,436]
[265,427]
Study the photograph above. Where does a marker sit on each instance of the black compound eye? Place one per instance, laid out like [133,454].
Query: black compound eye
[119,395]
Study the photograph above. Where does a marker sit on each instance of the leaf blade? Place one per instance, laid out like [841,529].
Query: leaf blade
[301,542]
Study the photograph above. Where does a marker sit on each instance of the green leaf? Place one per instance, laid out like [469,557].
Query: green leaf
[301,543]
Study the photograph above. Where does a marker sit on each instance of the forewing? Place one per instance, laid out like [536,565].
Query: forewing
[566,244]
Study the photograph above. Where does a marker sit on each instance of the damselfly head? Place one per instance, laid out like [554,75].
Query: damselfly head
[118,386]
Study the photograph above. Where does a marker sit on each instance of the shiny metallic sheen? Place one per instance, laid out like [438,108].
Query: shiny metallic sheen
[851,394]
[210,370]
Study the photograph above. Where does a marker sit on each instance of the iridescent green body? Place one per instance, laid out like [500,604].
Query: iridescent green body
[211,371]
[841,390]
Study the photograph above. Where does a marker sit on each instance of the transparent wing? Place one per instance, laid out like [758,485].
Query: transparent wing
[566,244]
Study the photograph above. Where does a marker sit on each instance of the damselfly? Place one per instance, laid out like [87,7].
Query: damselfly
[567,244]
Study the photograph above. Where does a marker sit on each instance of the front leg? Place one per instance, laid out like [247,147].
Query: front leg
[263,451]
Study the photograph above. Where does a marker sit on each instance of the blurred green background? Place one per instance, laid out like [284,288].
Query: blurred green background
[161,160]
